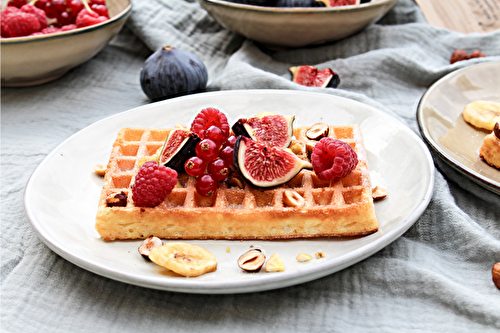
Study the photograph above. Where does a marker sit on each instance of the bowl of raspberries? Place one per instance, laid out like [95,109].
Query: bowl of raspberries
[41,40]
[296,23]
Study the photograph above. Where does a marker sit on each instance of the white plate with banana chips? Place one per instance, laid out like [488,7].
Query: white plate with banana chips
[62,195]
[439,115]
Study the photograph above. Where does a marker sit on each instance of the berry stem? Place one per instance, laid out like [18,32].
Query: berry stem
[86,5]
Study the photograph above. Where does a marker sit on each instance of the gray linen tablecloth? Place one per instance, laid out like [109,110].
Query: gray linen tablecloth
[435,278]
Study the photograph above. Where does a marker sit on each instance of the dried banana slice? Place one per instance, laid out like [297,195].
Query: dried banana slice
[482,114]
[184,259]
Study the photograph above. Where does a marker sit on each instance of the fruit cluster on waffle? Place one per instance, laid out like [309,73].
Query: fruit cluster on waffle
[303,207]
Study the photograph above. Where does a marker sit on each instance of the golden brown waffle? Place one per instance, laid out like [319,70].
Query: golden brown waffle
[341,208]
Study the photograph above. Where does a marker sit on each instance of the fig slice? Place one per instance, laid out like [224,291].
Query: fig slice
[311,76]
[337,3]
[268,128]
[178,147]
[266,166]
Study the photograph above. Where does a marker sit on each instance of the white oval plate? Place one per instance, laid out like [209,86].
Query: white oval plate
[62,194]
[439,115]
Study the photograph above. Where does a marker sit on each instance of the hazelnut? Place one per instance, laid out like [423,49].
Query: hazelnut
[495,273]
[309,148]
[317,131]
[148,244]
[459,55]
[379,193]
[297,148]
[496,130]
[252,261]
[303,257]
[320,255]
[99,169]
[293,199]
[477,54]
[117,199]
[275,264]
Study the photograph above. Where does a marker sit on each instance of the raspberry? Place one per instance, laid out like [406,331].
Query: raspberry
[210,117]
[333,159]
[19,24]
[152,184]
[50,30]
[86,18]
[37,12]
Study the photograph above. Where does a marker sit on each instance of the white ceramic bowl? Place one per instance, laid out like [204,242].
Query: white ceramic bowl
[28,61]
[295,27]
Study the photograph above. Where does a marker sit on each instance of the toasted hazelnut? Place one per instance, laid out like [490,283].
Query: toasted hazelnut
[379,193]
[235,180]
[477,54]
[297,147]
[459,55]
[293,199]
[275,264]
[117,199]
[317,131]
[251,261]
[495,273]
[496,130]
[303,257]
[309,148]
[320,255]
[148,244]
[99,169]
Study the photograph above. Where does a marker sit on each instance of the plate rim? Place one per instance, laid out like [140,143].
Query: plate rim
[233,287]
[464,170]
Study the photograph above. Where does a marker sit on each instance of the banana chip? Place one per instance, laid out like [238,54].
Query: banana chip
[184,259]
[482,114]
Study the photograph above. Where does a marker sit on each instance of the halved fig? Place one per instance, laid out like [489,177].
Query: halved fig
[336,3]
[268,128]
[266,166]
[311,76]
[178,147]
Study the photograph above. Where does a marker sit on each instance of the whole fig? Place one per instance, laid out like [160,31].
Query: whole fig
[170,72]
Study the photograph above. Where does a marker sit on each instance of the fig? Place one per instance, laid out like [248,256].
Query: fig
[266,166]
[268,128]
[170,72]
[300,3]
[178,147]
[311,76]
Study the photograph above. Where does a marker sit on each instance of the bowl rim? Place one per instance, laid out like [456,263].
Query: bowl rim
[26,39]
[287,10]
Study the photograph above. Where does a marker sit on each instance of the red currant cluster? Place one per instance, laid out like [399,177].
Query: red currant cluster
[40,17]
[214,153]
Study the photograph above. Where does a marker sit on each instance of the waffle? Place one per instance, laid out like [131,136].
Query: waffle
[337,209]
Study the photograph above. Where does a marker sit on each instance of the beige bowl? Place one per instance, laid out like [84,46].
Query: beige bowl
[28,61]
[295,27]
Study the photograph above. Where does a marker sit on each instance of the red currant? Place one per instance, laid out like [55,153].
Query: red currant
[195,166]
[206,185]
[227,155]
[215,134]
[207,150]
[102,10]
[231,141]
[218,169]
